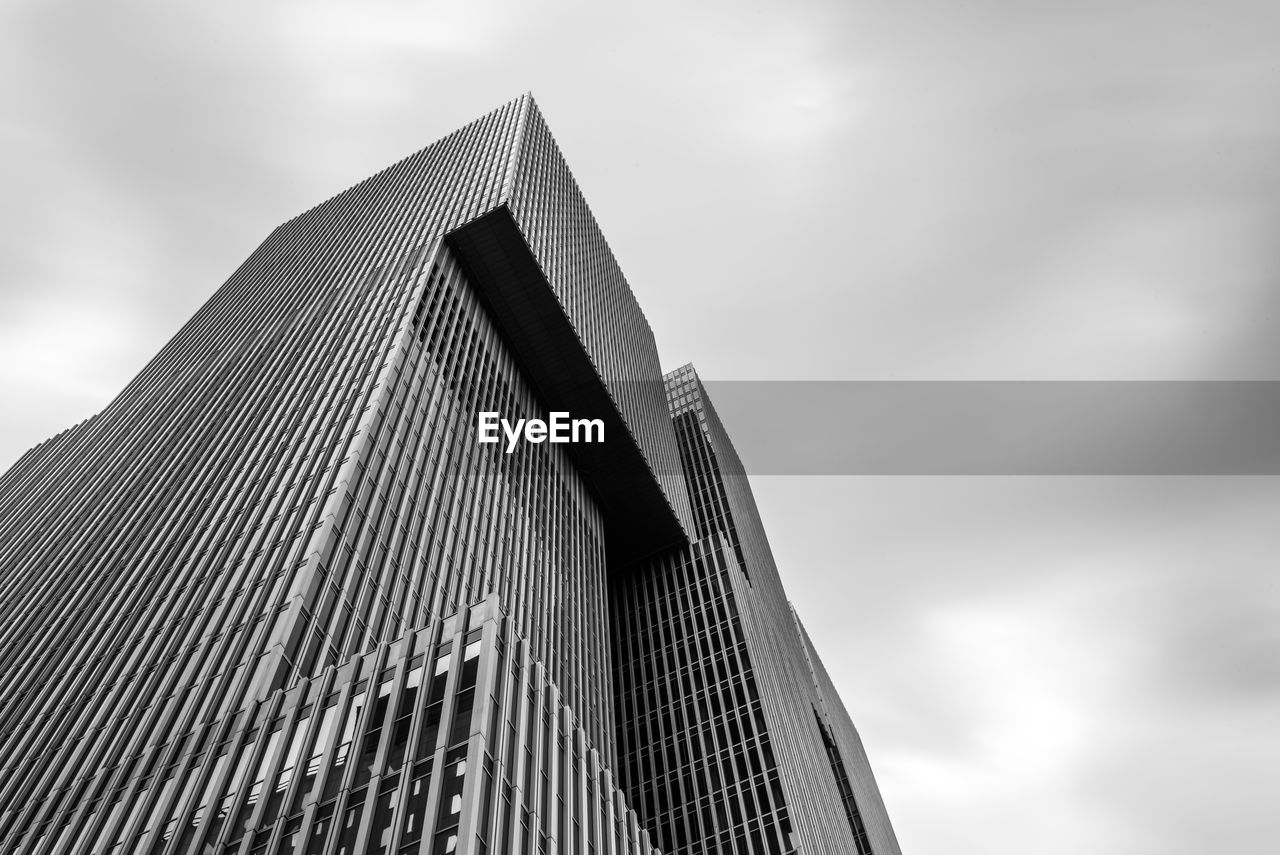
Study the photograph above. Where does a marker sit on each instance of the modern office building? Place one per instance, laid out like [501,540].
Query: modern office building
[279,597]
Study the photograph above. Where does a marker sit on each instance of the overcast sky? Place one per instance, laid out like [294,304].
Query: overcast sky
[847,190]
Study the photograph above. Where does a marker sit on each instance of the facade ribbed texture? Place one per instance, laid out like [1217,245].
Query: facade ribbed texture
[859,792]
[582,270]
[276,597]
[724,709]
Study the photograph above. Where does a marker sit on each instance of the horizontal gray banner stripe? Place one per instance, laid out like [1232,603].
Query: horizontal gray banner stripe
[1002,428]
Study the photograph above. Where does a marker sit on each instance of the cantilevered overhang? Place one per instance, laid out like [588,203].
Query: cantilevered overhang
[638,517]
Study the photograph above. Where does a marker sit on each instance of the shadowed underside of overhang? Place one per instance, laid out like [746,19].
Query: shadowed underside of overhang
[637,515]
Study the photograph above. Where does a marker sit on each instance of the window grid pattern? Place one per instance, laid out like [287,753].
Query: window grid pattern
[859,792]
[696,755]
[842,784]
[450,739]
[768,678]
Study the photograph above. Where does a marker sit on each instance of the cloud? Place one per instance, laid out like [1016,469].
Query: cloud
[1073,659]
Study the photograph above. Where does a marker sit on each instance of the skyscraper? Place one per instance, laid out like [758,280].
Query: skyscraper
[279,597]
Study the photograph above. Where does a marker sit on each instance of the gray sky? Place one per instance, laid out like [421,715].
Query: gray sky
[848,190]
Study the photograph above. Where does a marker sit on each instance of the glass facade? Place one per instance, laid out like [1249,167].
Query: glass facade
[276,598]
[724,709]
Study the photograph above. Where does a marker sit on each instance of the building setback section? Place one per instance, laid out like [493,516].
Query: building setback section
[638,517]
[275,598]
[724,737]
